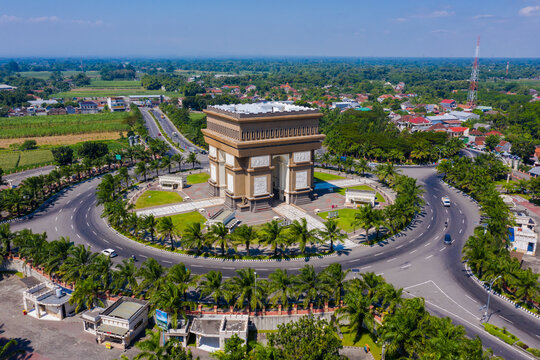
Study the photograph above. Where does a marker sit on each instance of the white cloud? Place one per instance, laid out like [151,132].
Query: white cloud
[43,19]
[88,22]
[9,18]
[52,19]
[483,16]
[442,31]
[530,11]
[430,15]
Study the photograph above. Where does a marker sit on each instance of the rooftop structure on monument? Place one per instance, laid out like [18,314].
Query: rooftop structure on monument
[262,151]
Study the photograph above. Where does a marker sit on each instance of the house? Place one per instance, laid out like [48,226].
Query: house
[448,104]
[464,116]
[438,128]
[407,106]
[482,125]
[473,134]
[251,87]
[344,105]
[535,171]
[524,221]
[504,146]
[523,240]
[212,331]
[418,124]
[494,132]
[5,87]
[48,301]
[119,323]
[116,104]
[71,110]
[440,118]
[480,142]
[484,108]
[57,111]
[384,97]
[431,108]
[88,107]
[459,131]
[41,102]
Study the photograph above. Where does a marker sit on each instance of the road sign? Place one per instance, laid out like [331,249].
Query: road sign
[118,157]
[161,320]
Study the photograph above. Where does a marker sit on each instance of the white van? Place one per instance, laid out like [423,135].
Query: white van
[445,201]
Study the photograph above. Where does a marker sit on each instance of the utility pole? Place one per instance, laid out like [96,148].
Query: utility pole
[472,97]
[486,318]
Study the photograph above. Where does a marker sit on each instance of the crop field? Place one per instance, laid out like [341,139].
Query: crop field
[62,139]
[11,160]
[37,126]
[124,84]
[89,92]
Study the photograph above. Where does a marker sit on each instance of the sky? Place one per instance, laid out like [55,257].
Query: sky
[275,28]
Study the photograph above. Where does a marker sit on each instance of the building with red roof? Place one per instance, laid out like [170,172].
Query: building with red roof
[494,132]
[458,131]
[448,104]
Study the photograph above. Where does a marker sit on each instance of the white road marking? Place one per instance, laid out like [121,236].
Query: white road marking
[427,244]
[74,210]
[378,254]
[380,274]
[72,227]
[460,211]
[56,219]
[365,267]
[80,202]
[411,240]
[94,232]
[400,246]
[144,256]
[460,230]
[106,241]
[429,257]
[471,299]
[412,252]
[79,236]
[121,248]
[194,265]
[391,259]
[350,261]
[446,210]
[506,319]
[405,266]
[429,225]
[442,249]
[432,218]
[421,234]
[55,229]
[87,224]
[435,196]
[61,210]
[167,261]
[71,217]
[86,216]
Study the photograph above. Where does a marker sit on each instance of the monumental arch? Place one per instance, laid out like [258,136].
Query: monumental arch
[260,152]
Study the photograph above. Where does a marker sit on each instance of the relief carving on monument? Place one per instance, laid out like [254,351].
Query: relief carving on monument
[301,180]
[302,156]
[260,161]
[260,185]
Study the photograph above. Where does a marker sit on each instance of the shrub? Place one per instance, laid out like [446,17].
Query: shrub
[535,352]
[502,334]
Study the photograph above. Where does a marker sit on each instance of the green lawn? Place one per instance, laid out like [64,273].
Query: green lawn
[197,178]
[344,219]
[341,191]
[181,221]
[155,198]
[10,160]
[125,84]
[320,176]
[502,334]
[196,116]
[365,338]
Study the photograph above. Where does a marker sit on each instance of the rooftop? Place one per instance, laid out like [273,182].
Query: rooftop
[261,108]
[124,308]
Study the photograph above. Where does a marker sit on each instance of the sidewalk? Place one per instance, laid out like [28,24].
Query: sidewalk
[181,208]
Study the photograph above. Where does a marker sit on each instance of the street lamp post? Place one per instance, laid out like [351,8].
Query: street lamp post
[255,291]
[489,296]
[438,148]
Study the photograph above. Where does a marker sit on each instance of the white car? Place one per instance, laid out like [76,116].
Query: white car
[109,252]
[445,201]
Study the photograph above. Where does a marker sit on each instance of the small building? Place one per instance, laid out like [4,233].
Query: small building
[172,181]
[70,110]
[459,131]
[121,322]
[355,197]
[524,221]
[535,171]
[438,119]
[180,332]
[419,124]
[523,240]
[448,104]
[48,299]
[57,111]
[116,104]
[482,125]
[40,102]
[88,107]
[464,115]
[5,87]
[213,331]
[503,146]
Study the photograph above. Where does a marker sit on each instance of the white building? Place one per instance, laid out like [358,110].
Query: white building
[464,115]
[212,331]
[523,240]
[47,300]
[116,104]
[172,181]
[355,197]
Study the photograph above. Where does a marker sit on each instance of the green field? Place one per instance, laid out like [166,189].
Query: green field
[196,116]
[320,176]
[344,219]
[181,221]
[365,338]
[124,84]
[36,126]
[197,178]
[11,160]
[47,74]
[155,198]
[341,191]
[95,92]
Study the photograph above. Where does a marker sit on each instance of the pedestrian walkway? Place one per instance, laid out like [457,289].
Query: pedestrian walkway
[182,207]
[292,213]
[342,183]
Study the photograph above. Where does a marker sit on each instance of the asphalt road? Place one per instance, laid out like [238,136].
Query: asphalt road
[417,261]
[17,178]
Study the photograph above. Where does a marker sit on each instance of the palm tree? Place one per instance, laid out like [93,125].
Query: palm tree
[124,174]
[125,276]
[307,285]
[169,298]
[194,237]
[386,173]
[371,283]
[59,251]
[299,231]
[273,235]
[246,235]
[10,351]
[155,165]
[78,265]
[182,277]
[333,277]
[358,312]
[178,158]
[219,235]
[167,229]
[212,285]
[101,271]
[365,218]
[141,169]
[247,288]
[85,294]
[166,163]
[6,238]
[151,348]
[332,233]
[192,158]
[280,287]
[150,224]
[528,287]
[152,274]
[361,166]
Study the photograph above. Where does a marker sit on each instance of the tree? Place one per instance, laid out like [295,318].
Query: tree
[246,235]
[301,233]
[150,347]
[169,298]
[2,181]
[280,287]
[308,286]
[306,338]
[86,294]
[28,145]
[141,169]
[192,158]
[194,237]
[78,265]
[212,285]
[365,218]
[152,274]
[492,141]
[124,174]
[333,278]
[167,229]
[235,349]
[247,288]
[6,238]
[332,233]
[219,235]
[63,155]
[93,150]
[357,311]
[179,159]
[150,224]
[273,235]
[124,278]
[10,351]
[362,166]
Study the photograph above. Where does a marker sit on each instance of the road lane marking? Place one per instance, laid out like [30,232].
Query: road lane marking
[144,256]
[421,234]
[80,202]
[442,249]
[71,217]
[432,218]
[79,236]
[365,267]
[350,261]
[380,274]
[72,227]
[460,211]
[411,240]
[61,210]
[412,252]
[429,225]
[400,246]
[87,224]
[74,210]
[463,221]
[106,241]
[121,248]
[427,244]
[94,232]
[435,196]
[194,265]
[471,299]
[167,261]
[55,229]
[391,259]
[56,219]
[506,319]
[429,257]
[378,254]
[460,230]
[405,266]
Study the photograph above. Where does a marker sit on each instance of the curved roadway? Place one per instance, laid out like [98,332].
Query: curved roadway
[417,260]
